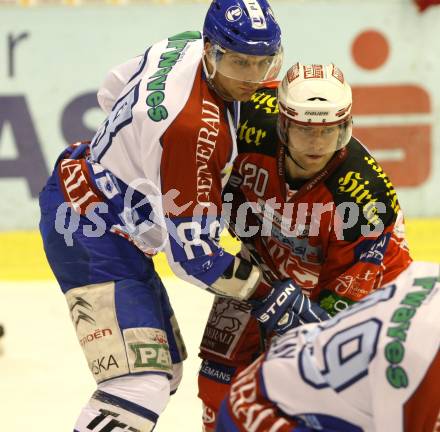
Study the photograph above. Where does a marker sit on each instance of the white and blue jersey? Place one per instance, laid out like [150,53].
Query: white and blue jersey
[373,367]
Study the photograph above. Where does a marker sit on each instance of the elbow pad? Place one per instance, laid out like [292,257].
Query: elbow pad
[239,281]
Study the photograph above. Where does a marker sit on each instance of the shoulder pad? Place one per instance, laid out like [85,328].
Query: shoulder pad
[360,180]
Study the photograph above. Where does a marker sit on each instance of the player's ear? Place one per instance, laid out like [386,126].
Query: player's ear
[207,46]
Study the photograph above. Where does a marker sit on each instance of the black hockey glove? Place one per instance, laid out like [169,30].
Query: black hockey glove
[286,307]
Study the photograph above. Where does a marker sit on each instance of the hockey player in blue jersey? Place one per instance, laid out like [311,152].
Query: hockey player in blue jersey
[373,367]
[151,179]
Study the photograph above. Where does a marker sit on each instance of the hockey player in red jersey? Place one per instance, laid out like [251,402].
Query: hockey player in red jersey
[374,367]
[310,204]
[150,179]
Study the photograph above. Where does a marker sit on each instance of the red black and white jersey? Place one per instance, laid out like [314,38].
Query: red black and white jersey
[374,367]
[339,235]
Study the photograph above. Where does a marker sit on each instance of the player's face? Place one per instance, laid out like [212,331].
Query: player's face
[312,146]
[248,68]
[237,76]
[234,89]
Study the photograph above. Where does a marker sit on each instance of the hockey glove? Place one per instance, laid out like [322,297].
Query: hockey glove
[286,307]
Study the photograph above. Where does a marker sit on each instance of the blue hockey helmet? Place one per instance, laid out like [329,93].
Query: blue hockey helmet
[245,26]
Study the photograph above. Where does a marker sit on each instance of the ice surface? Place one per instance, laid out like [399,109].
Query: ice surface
[44,379]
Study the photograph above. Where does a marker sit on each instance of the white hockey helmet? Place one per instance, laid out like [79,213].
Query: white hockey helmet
[315,95]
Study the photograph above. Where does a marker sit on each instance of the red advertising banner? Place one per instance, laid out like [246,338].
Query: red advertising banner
[408,146]
[395,119]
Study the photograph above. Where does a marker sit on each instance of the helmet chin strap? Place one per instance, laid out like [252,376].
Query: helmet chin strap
[292,158]
[209,76]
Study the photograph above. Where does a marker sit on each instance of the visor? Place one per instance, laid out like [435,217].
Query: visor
[317,140]
[244,67]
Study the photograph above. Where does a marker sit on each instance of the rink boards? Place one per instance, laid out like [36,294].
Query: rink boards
[22,256]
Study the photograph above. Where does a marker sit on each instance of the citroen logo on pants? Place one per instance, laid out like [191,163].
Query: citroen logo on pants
[79,308]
